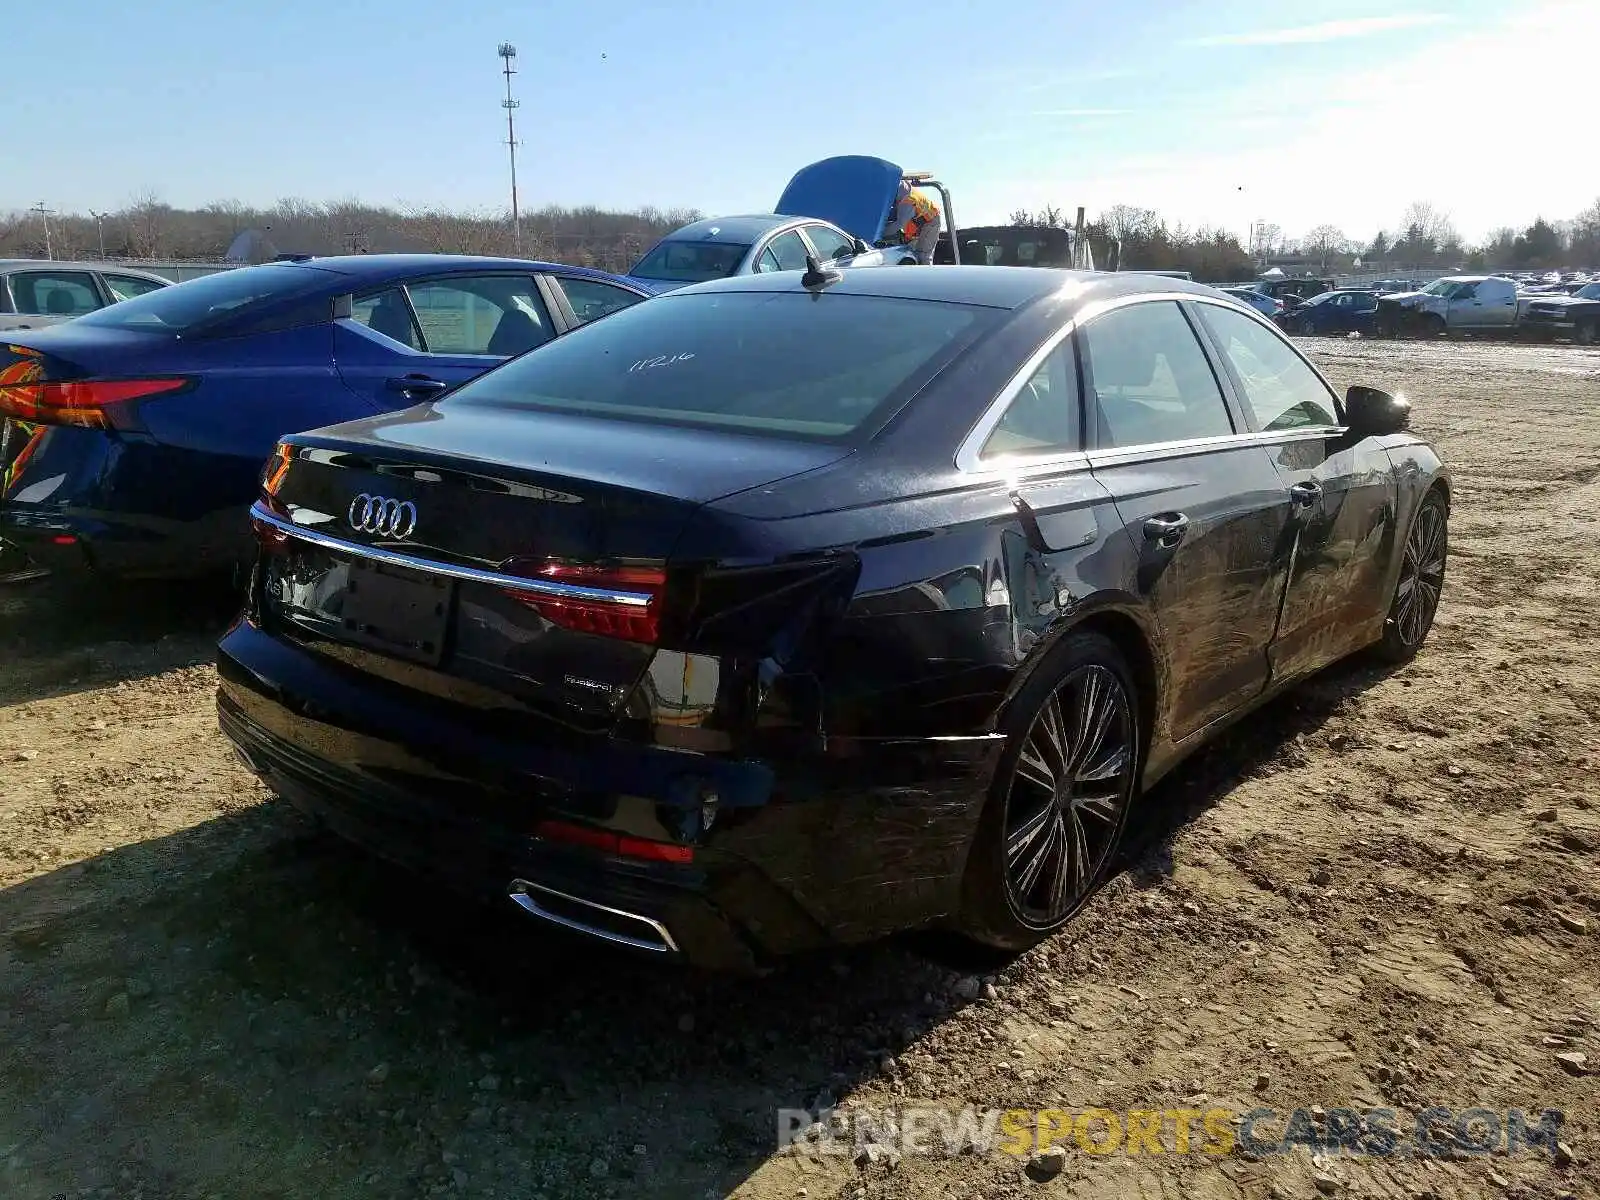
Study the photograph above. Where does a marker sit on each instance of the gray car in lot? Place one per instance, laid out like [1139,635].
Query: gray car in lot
[35,292]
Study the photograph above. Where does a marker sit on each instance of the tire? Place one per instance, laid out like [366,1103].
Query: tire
[1421,582]
[1433,325]
[1073,792]
[1584,334]
[1304,327]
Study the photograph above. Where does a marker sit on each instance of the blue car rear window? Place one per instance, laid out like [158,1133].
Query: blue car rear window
[197,303]
[787,364]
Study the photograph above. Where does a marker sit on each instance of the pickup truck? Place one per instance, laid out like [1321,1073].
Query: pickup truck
[1455,304]
[1576,316]
[1489,304]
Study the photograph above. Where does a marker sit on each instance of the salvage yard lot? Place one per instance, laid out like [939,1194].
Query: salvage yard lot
[1381,891]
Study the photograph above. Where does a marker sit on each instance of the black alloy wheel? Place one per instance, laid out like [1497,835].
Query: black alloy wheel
[1060,798]
[1421,583]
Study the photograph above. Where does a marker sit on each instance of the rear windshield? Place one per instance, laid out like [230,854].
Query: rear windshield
[690,262]
[186,307]
[790,364]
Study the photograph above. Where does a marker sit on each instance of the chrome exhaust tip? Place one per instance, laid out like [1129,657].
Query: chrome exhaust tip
[585,916]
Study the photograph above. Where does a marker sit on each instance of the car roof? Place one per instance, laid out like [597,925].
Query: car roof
[743,228]
[362,267]
[994,287]
[57,264]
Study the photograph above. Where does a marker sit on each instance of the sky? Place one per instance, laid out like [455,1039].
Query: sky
[1213,112]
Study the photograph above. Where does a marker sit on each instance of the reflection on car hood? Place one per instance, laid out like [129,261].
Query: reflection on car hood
[1408,299]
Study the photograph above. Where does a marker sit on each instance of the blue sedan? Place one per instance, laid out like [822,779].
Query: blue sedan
[132,439]
[1343,310]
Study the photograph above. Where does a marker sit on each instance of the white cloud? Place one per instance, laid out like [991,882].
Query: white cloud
[1325,31]
[1374,140]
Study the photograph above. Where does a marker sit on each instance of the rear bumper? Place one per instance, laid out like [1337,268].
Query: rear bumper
[799,857]
[69,542]
[82,502]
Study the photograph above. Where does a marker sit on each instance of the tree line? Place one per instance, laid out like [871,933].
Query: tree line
[1424,238]
[148,228]
[1137,238]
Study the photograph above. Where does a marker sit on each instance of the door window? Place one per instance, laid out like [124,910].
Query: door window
[1280,386]
[788,251]
[1044,415]
[497,315]
[829,242]
[1149,380]
[387,312]
[126,287]
[591,299]
[55,293]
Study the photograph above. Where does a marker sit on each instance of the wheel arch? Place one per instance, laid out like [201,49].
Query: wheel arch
[1119,623]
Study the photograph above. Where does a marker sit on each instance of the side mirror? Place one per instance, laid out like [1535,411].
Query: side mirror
[859,247]
[1369,412]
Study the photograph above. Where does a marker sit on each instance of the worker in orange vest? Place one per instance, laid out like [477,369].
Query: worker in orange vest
[916,221]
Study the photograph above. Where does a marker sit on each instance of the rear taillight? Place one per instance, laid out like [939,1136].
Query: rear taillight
[86,403]
[609,841]
[618,602]
[269,537]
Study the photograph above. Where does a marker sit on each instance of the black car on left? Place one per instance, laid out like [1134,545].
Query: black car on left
[799,608]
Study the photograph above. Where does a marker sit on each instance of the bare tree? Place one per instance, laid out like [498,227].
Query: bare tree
[145,219]
[1323,242]
[1048,217]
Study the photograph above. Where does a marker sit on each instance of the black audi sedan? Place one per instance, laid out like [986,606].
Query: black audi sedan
[800,608]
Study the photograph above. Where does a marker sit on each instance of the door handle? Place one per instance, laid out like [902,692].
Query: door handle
[1305,494]
[1166,529]
[417,383]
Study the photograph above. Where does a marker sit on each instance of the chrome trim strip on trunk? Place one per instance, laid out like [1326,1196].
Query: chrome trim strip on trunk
[519,583]
[520,891]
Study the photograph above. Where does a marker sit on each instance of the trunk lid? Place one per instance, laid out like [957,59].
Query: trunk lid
[409,533]
[854,191]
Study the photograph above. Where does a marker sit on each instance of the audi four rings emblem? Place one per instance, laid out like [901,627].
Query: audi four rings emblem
[382,516]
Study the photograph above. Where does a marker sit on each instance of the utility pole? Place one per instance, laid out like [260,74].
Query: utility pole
[44,215]
[100,230]
[508,53]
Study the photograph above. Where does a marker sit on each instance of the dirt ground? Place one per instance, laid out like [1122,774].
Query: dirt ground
[1381,892]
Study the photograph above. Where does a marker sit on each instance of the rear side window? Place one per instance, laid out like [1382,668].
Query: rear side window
[192,306]
[789,364]
[1044,416]
[591,299]
[387,312]
[55,293]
